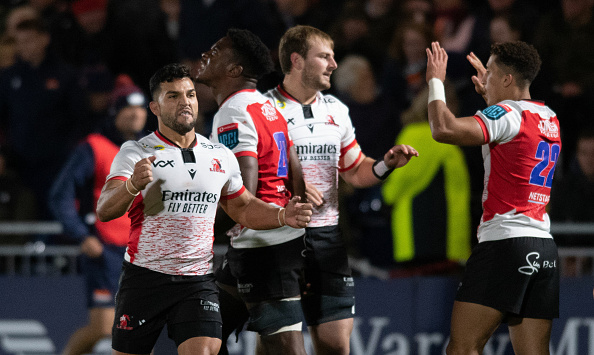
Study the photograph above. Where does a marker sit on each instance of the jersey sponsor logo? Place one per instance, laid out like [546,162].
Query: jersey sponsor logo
[269,112]
[331,121]
[316,149]
[533,265]
[541,199]
[311,127]
[209,306]
[158,147]
[548,128]
[280,104]
[329,100]
[216,166]
[291,121]
[229,135]
[188,201]
[163,163]
[495,112]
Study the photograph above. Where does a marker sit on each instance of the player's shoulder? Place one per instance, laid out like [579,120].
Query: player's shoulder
[203,142]
[243,98]
[331,102]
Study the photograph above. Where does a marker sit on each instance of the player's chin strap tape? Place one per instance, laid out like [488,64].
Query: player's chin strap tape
[380,170]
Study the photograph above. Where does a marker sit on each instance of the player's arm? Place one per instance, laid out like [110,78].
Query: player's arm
[296,182]
[248,165]
[445,127]
[253,213]
[370,172]
[117,195]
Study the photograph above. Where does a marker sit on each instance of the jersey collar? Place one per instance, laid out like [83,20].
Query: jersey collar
[166,140]
[284,93]
[235,93]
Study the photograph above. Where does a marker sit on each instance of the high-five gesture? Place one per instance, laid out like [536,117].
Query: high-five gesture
[398,156]
[437,62]
[480,73]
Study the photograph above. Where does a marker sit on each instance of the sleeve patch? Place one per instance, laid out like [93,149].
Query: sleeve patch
[229,135]
[495,112]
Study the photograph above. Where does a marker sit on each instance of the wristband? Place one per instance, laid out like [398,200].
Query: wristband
[381,170]
[282,224]
[128,189]
[436,90]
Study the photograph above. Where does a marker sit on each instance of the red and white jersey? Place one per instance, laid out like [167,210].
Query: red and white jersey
[324,137]
[172,219]
[249,125]
[522,146]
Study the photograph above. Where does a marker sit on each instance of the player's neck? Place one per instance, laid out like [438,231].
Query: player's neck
[222,92]
[294,87]
[181,140]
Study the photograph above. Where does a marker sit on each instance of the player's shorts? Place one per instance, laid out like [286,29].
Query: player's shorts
[147,300]
[267,273]
[330,294]
[517,276]
[102,275]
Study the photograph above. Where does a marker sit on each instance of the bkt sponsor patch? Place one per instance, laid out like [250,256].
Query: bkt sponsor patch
[229,135]
[495,112]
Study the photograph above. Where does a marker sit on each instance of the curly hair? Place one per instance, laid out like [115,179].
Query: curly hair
[251,53]
[298,40]
[520,57]
[167,73]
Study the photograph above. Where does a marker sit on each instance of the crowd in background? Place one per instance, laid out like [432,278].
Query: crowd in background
[59,60]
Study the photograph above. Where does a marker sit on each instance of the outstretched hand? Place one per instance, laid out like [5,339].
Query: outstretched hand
[399,155]
[480,73]
[437,62]
[298,215]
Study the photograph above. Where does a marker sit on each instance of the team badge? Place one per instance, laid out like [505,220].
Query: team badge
[331,121]
[495,112]
[548,128]
[269,112]
[217,167]
[229,135]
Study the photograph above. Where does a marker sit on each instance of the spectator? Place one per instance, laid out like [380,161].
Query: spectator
[430,200]
[572,200]
[369,108]
[79,34]
[505,28]
[565,39]
[40,103]
[404,67]
[17,202]
[73,201]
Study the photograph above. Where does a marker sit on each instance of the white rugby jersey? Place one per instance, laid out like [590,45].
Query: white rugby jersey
[249,125]
[325,140]
[172,219]
[522,146]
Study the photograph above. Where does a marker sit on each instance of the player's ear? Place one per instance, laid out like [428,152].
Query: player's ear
[297,61]
[155,108]
[508,79]
[234,70]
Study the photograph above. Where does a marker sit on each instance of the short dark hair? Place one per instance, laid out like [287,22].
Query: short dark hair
[520,57]
[297,40]
[251,53]
[168,73]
